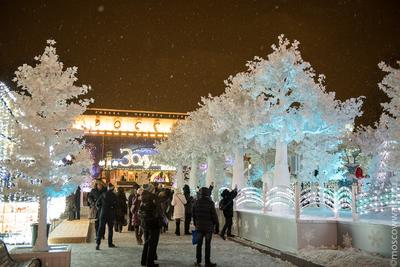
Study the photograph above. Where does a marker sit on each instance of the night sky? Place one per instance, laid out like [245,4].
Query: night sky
[165,55]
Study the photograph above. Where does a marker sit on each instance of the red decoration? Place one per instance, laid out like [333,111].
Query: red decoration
[359,173]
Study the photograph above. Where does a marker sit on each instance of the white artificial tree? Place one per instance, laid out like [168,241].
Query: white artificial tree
[390,119]
[381,143]
[298,103]
[234,114]
[206,140]
[49,156]
[171,151]
[321,154]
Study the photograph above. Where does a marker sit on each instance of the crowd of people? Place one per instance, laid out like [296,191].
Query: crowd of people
[149,208]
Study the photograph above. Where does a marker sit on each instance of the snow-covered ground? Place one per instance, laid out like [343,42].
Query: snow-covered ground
[172,252]
[343,258]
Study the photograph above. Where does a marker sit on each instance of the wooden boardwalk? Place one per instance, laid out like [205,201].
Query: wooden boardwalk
[76,231]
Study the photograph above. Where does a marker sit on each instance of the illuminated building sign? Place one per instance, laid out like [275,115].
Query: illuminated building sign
[141,158]
[127,123]
[135,159]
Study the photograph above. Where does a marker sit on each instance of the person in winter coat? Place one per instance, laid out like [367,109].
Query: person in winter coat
[163,199]
[226,205]
[150,219]
[77,203]
[170,208]
[188,208]
[179,202]
[121,210]
[205,218]
[131,196]
[93,196]
[106,204]
[135,216]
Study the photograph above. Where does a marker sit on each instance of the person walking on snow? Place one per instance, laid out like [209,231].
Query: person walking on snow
[205,219]
[179,202]
[135,216]
[188,208]
[106,204]
[93,196]
[121,210]
[151,220]
[226,205]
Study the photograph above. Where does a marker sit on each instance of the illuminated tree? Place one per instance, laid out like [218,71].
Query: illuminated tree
[234,114]
[298,104]
[382,142]
[48,155]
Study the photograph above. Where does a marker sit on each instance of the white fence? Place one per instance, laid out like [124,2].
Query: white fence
[334,199]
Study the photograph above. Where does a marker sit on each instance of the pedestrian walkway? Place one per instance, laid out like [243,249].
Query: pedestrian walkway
[172,251]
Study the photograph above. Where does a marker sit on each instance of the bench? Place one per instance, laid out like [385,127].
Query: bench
[7,261]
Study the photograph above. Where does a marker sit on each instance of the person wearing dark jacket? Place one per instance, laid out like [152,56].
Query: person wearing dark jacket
[226,205]
[106,204]
[121,210]
[77,203]
[93,196]
[205,218]
[188,208]
[131,197]
[150,219]
[136,201]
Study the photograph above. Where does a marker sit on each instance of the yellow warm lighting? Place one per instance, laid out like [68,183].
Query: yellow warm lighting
[123,125]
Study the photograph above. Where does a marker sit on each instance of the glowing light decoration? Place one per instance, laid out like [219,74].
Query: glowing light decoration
[105,123]
[249,195]
[279,195]
[379,201]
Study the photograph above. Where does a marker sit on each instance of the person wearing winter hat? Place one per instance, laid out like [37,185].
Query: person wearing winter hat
[226,205]
[106,204]
[150,215]
[205,219]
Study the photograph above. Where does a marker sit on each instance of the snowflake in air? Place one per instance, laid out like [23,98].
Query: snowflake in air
[347,240]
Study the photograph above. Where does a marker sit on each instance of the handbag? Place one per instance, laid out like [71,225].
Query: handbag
[165,220]
[194,237]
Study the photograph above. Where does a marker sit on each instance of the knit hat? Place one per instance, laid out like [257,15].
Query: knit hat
[148,187]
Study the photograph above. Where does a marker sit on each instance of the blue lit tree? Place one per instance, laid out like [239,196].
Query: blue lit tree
[297,103]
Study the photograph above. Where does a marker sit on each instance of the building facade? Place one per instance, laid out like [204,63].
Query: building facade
[122,143]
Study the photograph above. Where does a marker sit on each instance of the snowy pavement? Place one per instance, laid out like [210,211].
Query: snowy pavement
[172,251]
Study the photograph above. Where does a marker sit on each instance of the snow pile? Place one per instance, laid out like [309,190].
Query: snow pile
[349,257]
